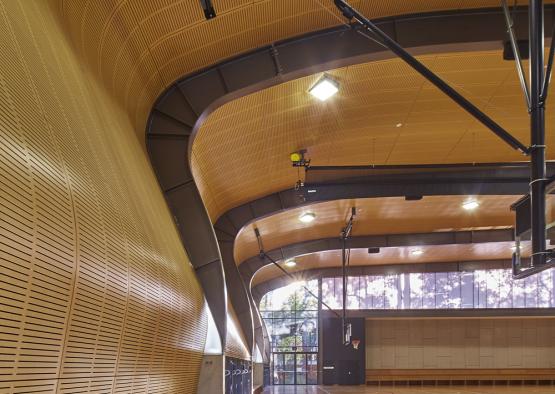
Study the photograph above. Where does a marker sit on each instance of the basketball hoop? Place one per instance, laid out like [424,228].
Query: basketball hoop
[355,343]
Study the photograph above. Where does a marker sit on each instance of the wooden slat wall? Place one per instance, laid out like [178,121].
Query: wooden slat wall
[96,292]
[460,344]
[491,374]
[235,345]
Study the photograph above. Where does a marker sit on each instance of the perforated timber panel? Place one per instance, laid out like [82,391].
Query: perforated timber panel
[235,345]
[96,292]
[139,47]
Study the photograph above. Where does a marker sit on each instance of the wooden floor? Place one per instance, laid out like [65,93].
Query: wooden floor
[393,390]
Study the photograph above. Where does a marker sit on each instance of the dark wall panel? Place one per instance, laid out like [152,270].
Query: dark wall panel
[342,364]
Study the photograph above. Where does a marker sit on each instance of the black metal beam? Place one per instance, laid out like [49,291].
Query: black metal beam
[330,183]
[250,266]
[352,13]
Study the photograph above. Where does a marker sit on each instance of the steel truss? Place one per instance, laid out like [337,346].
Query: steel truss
[535,95]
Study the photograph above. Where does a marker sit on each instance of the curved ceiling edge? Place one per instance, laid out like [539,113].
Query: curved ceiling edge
[493,179]
[250,266]
[181,109]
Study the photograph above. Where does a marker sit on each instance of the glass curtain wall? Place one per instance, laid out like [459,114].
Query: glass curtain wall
[290,313]
[291,318]
[493,288]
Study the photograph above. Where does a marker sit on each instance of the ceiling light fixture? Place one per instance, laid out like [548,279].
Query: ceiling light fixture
[325,88]
[417,252]
[399,125]
[470,205]
[307,217]
[290,263]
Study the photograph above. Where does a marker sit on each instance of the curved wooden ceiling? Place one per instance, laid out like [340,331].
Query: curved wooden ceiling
[392,215]
[398,255]
[139,47]
[242,150]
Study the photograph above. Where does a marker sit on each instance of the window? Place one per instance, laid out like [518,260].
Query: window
[493,288]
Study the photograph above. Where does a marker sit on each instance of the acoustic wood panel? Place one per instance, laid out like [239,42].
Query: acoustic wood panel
[460,343]
[384,113]
[484,376]
[139,47]
[235,345]
[96,291]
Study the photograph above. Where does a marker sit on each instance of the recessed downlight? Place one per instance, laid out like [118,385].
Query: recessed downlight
[307,217]
[470,205]
[290,263]
[417,252]
[325,88]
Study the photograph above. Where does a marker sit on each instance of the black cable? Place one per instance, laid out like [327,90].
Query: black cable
[547,78]
[350,13]
[291,276]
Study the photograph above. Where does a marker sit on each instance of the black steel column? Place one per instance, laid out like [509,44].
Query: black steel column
[344,273]
[320,334]
[537,137]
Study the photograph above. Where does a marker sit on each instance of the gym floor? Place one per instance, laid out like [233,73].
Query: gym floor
[393,390]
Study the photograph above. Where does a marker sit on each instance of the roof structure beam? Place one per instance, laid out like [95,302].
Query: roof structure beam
[249,267]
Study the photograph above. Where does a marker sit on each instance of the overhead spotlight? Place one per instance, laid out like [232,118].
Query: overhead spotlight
[470,205]
[307,217]
[208,9]
[290,263]
[324,88]
[417,252]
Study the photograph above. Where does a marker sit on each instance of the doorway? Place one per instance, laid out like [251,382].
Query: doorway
[295,368]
